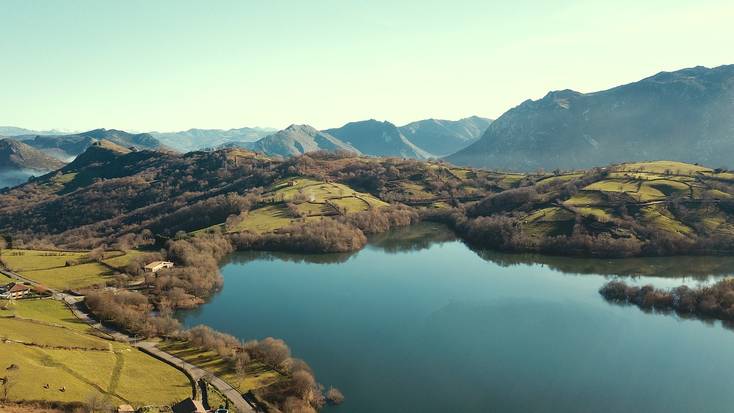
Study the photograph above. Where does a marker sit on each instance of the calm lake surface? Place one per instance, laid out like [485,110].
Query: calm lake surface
[419,322]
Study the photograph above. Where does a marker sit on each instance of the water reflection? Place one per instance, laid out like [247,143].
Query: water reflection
[424,236]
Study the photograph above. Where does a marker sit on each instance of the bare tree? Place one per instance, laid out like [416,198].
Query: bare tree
[6,384]
[241,361]
[334,396]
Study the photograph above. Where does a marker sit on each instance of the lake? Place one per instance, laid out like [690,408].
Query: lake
[419,322]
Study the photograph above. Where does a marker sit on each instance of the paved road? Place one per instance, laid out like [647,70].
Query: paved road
[196,373]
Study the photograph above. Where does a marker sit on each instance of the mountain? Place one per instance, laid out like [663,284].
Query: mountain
[69,146]
[376,138]
[19,161]
[444,137]
[299,139]
[15,131]
[195,139]
[18,155]
[684,115]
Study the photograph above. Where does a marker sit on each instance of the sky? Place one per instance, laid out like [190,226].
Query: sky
[176,64]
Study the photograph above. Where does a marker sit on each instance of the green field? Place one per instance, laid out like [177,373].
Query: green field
[58,270]
[645,188]
[312,199]
[57,352]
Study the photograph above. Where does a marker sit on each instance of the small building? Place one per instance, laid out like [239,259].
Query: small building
[125,408]
[188,406]
[156,266]
[15,291]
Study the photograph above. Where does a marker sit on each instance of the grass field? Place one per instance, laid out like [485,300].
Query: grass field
[122,259]
[646,188]
[312,200]
[97,366]
[257,374]
[50,268]
[46,310]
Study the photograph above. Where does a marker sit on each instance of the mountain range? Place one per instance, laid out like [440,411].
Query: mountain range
[444,137]
[686,115]
[66,147]
[196,139]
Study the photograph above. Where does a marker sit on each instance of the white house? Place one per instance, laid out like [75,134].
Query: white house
[156,266]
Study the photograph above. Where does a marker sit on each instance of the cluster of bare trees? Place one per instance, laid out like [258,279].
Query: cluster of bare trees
[323,235]
[299,392]
[131,312]
[707,302]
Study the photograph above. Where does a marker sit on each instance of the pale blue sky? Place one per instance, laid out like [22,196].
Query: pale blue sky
[170,65]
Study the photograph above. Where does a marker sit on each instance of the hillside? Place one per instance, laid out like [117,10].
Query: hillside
[68,146]
[297,140]
[683,116]
[17,155]
[376,138]
[328,201]
[650,208]
[444,137]
[19,161]
[195,139]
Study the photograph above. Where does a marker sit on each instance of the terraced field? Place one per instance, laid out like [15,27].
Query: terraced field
[647,191]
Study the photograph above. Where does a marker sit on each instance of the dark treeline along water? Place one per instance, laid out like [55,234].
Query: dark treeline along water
[419,322]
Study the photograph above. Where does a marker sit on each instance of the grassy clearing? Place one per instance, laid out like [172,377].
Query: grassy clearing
[664,167]
[72,277]
[257,375]
[27,331]
[652,215]
[45,310]
[28,260]
[317,194]
[59,269]
[120,261]
[266,219]
[585,198]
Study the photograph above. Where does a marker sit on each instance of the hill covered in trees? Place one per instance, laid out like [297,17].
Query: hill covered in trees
[324,201]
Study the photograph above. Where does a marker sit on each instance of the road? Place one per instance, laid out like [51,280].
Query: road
[197,373]
[234,396]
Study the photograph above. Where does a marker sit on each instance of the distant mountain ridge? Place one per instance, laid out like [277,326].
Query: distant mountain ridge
[684,116]
[196,139]
[299,139]
[17,155]
[375,138]
[444,137]
[13,131]
[19,161]
[69,146]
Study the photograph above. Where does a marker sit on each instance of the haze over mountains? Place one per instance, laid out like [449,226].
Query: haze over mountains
[195,139]
[18,161]
[686,115]
[444,137]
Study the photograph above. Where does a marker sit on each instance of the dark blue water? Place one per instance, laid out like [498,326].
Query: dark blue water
[418,322]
